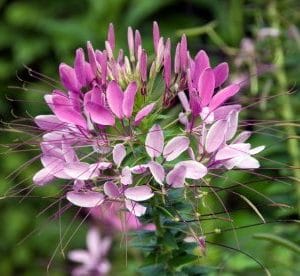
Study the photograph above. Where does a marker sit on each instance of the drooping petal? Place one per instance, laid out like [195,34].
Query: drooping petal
[216,136]
[43,177]
[248,163]
[222,112]
[139,169]
[128,101]
[138,193]
[242,137]
[88,199]
[115,97]
[135,208]
[49,122]
[145,111]
[157,171]
[233,151]
[101,166]
[65,111]
[194,169]
[119,154]
[80,171]
[257,150]
[223,95]
[79,256]
[126,176]
[154,143]
[221,73]
[111,189]
[206,86]
[175,147]
[176,177]
[100,114]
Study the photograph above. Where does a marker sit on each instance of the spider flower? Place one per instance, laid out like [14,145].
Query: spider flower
[106,134]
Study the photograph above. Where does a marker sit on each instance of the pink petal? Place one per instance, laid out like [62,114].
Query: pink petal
[49,122]
[68,77]
[175,147]
[157,171]
[135,208]
[119,154]
[111,189]
[102,165]
[216,136]
[87,199]
[139,193]
[128,101]
[222,112]
[176,177]
[79,256]
[80,171]
[201,63]
[43,177]
[233,151]
[194,169]
[115,97]
[126,177]
[232,125]
[242,137]
[154,143]
[221,73]
[139,169]
[65,112]
[100,114]
[223,95]
[93,242]
[145,111]
[55,166]
[206,86]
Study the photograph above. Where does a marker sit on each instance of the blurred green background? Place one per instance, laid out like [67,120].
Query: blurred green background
[41,34]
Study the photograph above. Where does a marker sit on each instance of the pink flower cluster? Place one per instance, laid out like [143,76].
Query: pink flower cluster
[102,138]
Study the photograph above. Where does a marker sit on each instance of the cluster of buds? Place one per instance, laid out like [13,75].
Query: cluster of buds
[106,138]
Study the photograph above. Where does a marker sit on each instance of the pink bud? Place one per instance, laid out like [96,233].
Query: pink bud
[183,52]
[156,35]
[92,57]
[167,63]
[111,36]
[143,66]
[137,41]
[130,42]
[177,59]
[79,66]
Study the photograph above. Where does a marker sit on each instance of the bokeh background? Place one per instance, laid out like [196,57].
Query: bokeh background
[260,40]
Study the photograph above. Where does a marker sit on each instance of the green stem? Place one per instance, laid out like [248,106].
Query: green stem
[287,110]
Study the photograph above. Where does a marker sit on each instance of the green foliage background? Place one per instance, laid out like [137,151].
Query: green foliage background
[41,34]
